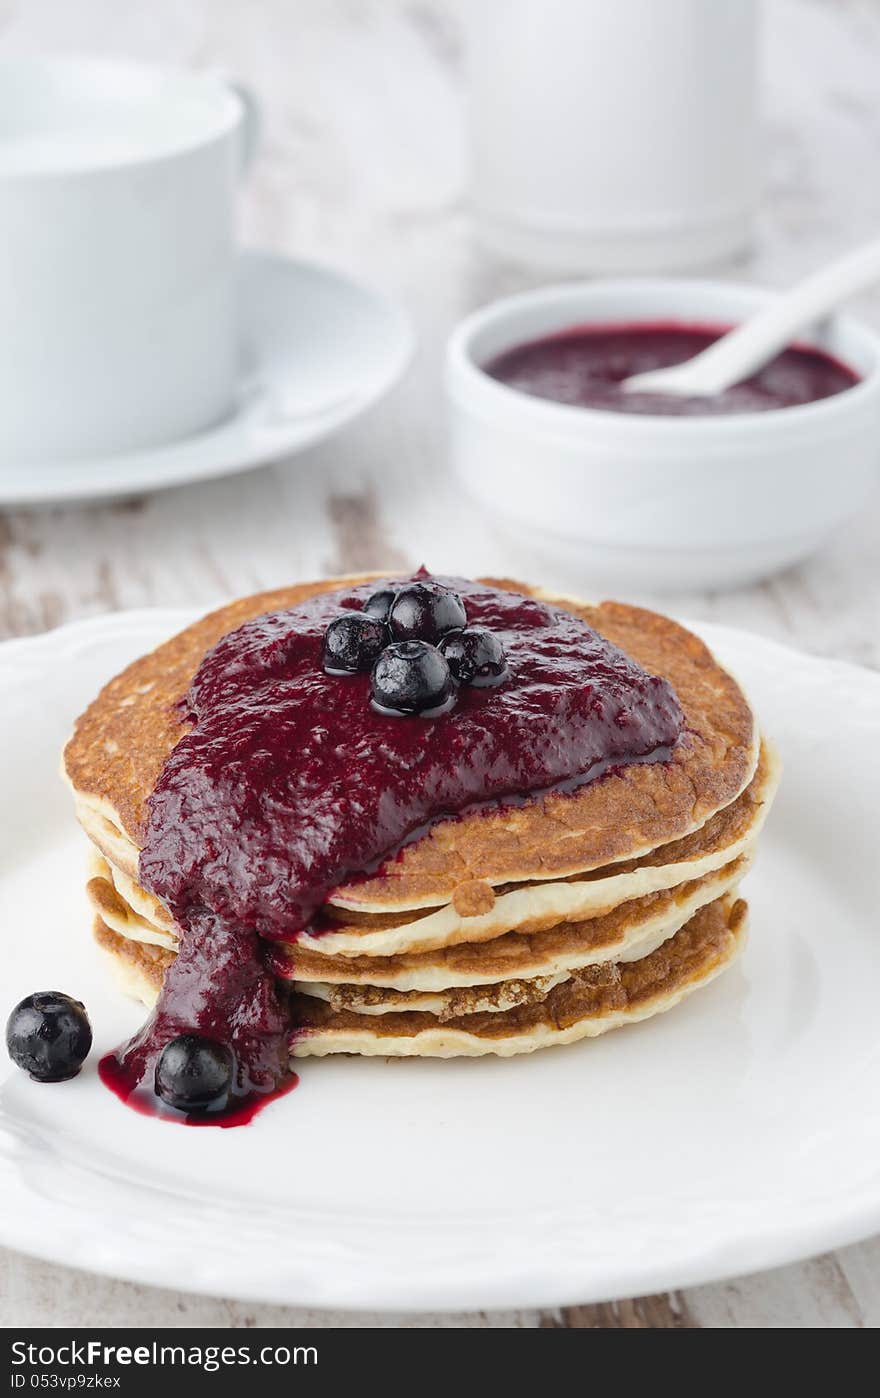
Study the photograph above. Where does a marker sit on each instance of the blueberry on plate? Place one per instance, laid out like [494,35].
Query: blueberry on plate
[411,677]
[425,611]
[352,642]
[379,604]
[48,1035]
[475,656]
[194,1074]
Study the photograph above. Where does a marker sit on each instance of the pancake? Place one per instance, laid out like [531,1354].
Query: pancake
[626,933]
[121,742]
[442,1004]
[134,914]
[138,967]
[535,906]
[130,910]
[584,1005]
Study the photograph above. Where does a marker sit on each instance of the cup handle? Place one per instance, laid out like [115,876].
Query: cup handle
[252,125]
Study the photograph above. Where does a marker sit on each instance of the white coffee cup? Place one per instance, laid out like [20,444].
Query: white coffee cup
[117,254]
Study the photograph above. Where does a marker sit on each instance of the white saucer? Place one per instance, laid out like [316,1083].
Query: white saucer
[317,349]
[740,1131]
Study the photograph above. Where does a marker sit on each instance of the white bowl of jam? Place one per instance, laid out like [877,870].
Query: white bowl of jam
[660,491]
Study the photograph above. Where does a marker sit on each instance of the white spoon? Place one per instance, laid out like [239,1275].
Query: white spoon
[748,348]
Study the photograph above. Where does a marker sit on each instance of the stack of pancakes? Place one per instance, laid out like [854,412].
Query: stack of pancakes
[499,931]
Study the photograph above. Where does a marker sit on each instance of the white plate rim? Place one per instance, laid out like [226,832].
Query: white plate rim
[362,1277]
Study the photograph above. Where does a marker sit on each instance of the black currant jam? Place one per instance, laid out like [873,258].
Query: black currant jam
[119,1078]
[217,986]
[585,366]
[290,783]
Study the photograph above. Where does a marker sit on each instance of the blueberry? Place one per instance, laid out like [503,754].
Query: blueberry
[411,677]
[379,604]
[475,656]
[195,1074]
[48,1035]
[352,642]
[425,612]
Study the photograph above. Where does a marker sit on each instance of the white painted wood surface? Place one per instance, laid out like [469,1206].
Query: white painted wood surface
[363,166]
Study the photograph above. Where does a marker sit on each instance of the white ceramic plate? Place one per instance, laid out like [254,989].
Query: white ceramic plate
[316,350]
[739,1131]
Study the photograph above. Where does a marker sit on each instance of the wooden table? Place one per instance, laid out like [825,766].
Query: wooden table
[363,166]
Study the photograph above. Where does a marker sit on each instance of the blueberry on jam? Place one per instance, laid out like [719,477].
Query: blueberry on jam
[48,1035]
[352,642]
[194,1074]
[425,612]
[475,656]
[411,677]
[379,604]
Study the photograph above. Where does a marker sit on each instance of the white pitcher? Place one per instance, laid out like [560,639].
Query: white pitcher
[613,135]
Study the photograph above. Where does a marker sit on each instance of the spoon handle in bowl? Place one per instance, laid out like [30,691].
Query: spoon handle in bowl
[752,344]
